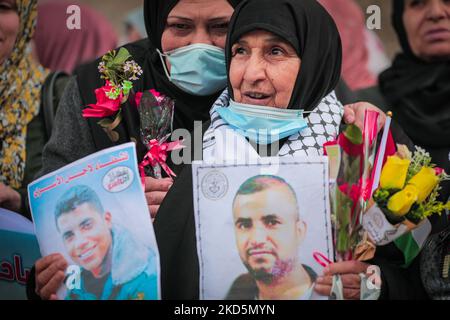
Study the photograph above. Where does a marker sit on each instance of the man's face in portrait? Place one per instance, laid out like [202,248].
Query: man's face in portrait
[86,235]
[268,231]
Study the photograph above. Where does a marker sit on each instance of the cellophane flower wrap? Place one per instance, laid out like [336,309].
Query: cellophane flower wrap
[408,194]
[351,192]
[156,113]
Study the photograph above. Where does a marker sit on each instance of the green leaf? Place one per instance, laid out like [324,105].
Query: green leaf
[122,56]
[105,122]
[354,134]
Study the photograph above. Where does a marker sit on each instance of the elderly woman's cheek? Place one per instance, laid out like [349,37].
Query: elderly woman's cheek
[284,78]
[236,74]
[9,29]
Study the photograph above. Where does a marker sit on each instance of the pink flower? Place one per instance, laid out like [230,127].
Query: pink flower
[156,94]
[105,106]
[137,98]
[159,96]
[438,171]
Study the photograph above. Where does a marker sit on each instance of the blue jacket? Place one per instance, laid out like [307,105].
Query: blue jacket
[134,272]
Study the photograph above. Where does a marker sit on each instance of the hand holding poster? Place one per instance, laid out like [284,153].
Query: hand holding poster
[94,213]
[261,236]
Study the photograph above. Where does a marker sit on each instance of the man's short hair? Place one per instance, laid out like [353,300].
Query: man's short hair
[263,182]
[74,198]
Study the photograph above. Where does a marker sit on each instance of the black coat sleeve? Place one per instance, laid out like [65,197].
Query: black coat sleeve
[175,234]
[400,283]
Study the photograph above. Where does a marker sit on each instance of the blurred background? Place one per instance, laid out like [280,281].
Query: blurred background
[115,11]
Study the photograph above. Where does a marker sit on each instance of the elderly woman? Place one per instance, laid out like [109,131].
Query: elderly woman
[22,132]
[417,89]
[417,86]
[276,65]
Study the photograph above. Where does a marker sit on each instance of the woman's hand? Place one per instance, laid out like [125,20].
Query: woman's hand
[354,114]
[9,198]
[155,192]
[50,274]
[351,281]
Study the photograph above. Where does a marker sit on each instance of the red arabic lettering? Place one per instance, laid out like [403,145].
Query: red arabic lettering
[14,271]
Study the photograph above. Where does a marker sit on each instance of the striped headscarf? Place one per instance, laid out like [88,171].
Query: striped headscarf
[20,88]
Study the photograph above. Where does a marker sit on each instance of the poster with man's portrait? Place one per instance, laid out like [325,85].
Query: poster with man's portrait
[263,229]
[94,213]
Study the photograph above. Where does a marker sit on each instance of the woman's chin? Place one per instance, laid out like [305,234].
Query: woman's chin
[437,52]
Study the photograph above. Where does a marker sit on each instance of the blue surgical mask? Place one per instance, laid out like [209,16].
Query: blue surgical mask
[263,125]
[198,69]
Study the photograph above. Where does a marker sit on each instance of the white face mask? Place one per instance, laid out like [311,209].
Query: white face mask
[198,69]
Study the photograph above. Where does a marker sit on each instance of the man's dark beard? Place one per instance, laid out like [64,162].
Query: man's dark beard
[280,269]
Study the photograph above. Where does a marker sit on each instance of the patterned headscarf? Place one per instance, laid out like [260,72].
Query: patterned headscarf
[20,88]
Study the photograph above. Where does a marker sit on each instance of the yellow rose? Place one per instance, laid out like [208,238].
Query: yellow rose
[425,181]
[393,175]
[401,202]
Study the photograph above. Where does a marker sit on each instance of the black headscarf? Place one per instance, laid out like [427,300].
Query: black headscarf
[311,31]
[418,92]
[188,107]
[156,13]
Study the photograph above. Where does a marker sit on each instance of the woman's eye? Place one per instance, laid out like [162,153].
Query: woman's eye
[238,51]
[276,51]
[415,3]
[219,28]
[5,7]
[179,26]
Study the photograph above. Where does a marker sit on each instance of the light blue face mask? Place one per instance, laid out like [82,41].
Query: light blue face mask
[263,125]
[198,69]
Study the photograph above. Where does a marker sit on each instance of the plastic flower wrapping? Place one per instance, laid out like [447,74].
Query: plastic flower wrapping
[156,118]
[374,207]
[355,152]
[407,195]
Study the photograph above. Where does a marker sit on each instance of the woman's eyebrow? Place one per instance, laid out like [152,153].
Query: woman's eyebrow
[275,39]
[219,19]
[240,42]
[180,18]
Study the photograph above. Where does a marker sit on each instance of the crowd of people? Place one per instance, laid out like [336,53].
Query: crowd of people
[283,55]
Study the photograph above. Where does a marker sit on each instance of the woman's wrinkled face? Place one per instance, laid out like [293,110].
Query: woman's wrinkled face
[263,70]
[427,24]
[9,28]
[197,21]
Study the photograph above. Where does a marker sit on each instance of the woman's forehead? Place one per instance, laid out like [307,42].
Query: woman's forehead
[264,35]
[205,9]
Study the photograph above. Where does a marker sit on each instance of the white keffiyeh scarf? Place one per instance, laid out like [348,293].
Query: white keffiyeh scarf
[222,143]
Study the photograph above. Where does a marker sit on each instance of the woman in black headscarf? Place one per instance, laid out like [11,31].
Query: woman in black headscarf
[257,77]
[202,26]
[417,89]
[417,85]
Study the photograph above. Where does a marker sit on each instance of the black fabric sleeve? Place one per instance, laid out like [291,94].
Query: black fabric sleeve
[35,141]
[31,286]
[400,283]
[344,94]
[175,234]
